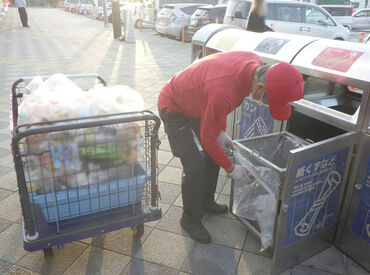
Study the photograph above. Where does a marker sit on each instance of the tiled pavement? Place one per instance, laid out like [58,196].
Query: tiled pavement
[62,42]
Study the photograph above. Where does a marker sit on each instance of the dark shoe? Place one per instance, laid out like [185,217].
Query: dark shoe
[215,208]
[195,229]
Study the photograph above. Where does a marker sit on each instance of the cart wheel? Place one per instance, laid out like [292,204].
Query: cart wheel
[48,252]
[138,230]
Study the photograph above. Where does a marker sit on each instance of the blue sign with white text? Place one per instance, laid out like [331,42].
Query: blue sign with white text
[361,222]
[255,119]
[315,193]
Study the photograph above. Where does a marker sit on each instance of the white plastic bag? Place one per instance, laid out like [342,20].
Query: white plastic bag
[60,98]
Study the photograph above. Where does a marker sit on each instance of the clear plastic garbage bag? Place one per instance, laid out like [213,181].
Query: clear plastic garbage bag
[256,201]
[58,98]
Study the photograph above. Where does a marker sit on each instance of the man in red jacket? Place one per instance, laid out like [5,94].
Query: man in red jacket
[198,99]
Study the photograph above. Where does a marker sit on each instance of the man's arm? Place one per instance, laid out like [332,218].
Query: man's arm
[213,121]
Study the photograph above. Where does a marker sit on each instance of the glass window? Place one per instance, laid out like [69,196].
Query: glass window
[240,7]
[271,12]
[221,14]
[189,10]
[337,11]
[202,12]
[166,11]
[315,16]
[289,13]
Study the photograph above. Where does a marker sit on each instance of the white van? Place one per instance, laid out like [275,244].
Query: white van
[290,17]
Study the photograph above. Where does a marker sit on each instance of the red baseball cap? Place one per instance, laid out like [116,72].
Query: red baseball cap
[284,84]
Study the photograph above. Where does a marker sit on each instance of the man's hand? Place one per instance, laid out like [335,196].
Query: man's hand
[226,143]
[240,174]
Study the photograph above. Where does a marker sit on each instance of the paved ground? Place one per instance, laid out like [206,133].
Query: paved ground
[62,42]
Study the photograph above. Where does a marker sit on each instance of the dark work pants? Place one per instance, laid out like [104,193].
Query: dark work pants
[23,15]
[201,172]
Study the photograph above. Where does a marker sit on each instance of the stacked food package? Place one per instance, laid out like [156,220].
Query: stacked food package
[61,160]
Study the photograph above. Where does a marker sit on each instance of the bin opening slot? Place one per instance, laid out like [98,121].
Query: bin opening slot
[332,95]
[309,128]
[275,148]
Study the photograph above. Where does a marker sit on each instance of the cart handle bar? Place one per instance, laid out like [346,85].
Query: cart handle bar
[71,76]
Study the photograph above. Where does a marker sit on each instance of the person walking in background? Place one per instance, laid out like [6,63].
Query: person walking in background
[256,20]
[21,4]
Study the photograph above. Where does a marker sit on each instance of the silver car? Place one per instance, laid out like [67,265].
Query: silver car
[169,20]
[361,19]
[289,17]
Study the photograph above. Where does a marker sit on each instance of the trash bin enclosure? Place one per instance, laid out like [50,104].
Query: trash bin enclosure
[336,102]
[313,177]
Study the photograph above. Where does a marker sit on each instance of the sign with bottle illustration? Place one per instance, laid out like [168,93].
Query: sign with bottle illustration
[271,45]
[337,59]
[255,119]
[361,222]
[314,198]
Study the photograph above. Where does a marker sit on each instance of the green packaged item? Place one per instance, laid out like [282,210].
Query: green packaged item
[101,153]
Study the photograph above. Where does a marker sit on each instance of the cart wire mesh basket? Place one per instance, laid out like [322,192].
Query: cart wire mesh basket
[85,176]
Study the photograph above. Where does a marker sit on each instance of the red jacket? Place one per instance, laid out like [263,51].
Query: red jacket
[211,89]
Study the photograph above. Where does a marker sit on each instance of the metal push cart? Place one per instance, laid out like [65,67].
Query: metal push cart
[86,176]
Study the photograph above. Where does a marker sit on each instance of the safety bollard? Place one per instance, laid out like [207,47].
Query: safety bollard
[362,36]
[216,20]
[87,14]
[140,23]
[183,29]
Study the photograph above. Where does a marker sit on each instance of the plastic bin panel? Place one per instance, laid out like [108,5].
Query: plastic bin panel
[355,240]
[82,201]
[311,198]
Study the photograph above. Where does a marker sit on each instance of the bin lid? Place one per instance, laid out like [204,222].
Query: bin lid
[339,61]
[277,46]
[270,46]
[201,37]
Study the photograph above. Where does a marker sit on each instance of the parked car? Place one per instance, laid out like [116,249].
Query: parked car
[289,17]
[74,5]
[203,16]
[341,13]
[137,13]
[86,6]
[367,40]
[169,20]
[361,19]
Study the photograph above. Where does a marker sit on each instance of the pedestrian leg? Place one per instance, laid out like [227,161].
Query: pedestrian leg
[21,15]
[25,17]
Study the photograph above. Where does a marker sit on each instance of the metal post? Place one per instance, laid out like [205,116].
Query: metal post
[105,14]
[183,29]
[116,19]
[153,170]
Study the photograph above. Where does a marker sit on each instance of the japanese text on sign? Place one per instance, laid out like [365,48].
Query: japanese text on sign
[255,119]
[314,197]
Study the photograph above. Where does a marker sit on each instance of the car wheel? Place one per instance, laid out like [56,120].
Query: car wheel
[339,38]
